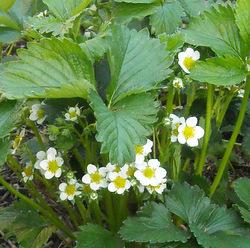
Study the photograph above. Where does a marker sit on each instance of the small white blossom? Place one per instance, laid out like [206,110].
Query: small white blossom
[27,173]
[128,169]
[187,59]
[112,168]
[159,188]
[150,173]
[40,156]
[69,190]
[96,178]
[119,182]
[178,83]
[52,164]
[142,151]
[73,114]
[175,123]
[189,132]
[37,113]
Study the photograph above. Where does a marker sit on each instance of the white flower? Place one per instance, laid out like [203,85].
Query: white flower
[96,178]
[52,164]
[37,113]
[187,59]
[87,34]
[150,173]
[142,151]
[190,133]
[40,156]
[159,188]
[69,190]
[72,114]
[175,123]
[28,173]
[112,168]
[118,182]
[178,83]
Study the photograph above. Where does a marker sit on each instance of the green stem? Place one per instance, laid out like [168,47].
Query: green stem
[54,220]
[79,158]
[190,99]
[109,210]
[233,138]
[207,129]
[72,214]
[82,209]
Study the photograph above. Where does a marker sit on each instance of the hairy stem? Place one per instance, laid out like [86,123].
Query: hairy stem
[233,138]
[207,130]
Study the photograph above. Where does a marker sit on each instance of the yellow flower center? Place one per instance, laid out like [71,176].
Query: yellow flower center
[139,149]
[40,113]
[53,166]
[148,172]
[72,114]
[188,62]
[28,171]
[189,132]
[70,189]
[96,177]
[120,182]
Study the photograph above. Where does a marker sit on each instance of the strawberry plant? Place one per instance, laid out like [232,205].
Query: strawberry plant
[124,123]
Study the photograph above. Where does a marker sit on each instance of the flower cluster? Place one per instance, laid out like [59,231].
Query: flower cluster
[185,131]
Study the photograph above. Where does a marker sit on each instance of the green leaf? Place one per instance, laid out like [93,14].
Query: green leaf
[211,225]
[8,35]
[167,18]
[154,226]
[124,125]
[194,7]
[94,236]
[8,117]
[219,71]
[5,5]
[64,9]
[137,63]
[242,189]
[50,69]
[30,229]
[135,1]
[242,17]
[7,21]
[4,150]
[125,12]
[216,29]
[173,42]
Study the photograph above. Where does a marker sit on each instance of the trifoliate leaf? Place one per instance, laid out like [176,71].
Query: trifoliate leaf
[210,223]
[8,116]
[154,226]
[242,17]
[220,71]
[125,12]
[216,29]
[124,125]
[242,189]
[94,236]
[50,69]
[137,63]
[30,229]
[167,18]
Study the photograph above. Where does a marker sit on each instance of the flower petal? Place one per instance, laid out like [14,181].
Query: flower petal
[63,196]
[181,138]
[192,142]
[199,132]
[62,186]
[111,187]
[48,174]
[86,179]
[191,121]
[91,168]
